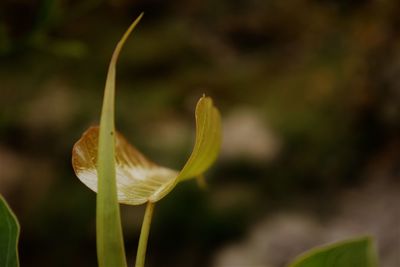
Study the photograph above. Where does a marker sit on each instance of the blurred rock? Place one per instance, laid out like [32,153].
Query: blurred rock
[25,179]
[246,136]
[272,242]
[275,241]
[11,166]
[54,107]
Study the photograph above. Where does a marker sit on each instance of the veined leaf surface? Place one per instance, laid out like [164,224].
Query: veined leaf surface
[9,234]
[138,179]
[351,253]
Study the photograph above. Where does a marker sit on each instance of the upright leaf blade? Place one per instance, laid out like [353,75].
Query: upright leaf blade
[351,253]
[110,246]
[9,234]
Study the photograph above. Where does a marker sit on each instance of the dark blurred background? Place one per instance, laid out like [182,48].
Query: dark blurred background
[309,92]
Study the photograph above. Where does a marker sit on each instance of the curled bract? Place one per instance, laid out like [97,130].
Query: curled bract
[140,180]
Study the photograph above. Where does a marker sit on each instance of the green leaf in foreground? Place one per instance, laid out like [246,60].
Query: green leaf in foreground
[9,233]
[351,253]
[110,245]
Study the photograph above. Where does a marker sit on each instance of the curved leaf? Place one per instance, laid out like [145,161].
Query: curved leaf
[351,253]
[138,179]
[9,234]
[208,139]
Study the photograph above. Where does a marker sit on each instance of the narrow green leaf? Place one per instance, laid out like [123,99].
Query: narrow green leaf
[9,234]
[110,245]
[351,253]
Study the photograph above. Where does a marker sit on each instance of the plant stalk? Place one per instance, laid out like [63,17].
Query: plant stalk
[144,235]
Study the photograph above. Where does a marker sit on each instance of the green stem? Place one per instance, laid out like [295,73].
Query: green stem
[144,235]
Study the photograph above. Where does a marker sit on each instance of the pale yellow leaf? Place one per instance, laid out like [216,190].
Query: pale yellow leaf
[140,180]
